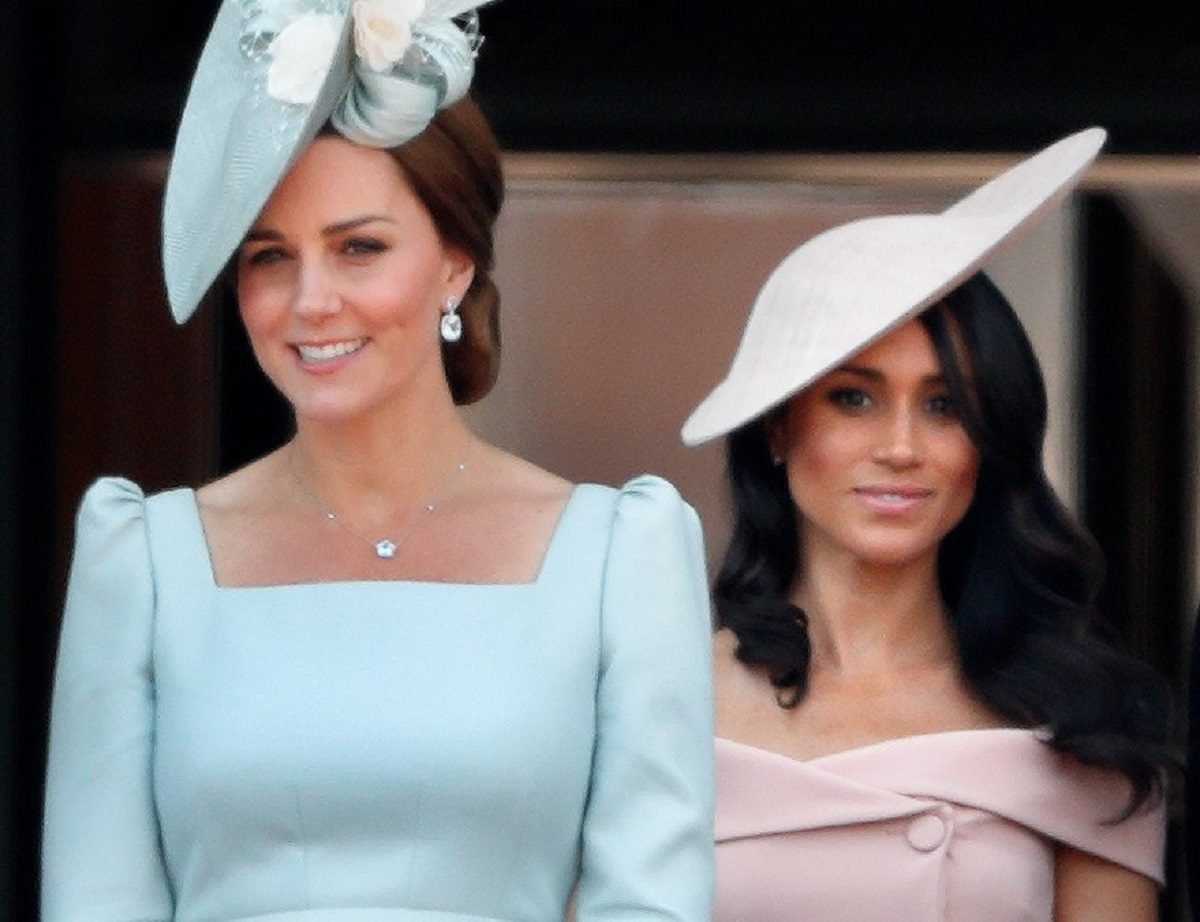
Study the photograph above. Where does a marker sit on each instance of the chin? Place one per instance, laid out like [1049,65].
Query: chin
[892,561]
[328,410]
[895,553]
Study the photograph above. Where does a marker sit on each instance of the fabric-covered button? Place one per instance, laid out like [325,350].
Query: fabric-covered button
[926,832]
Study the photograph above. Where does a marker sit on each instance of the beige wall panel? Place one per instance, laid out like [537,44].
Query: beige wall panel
[1038,276]
[623,303]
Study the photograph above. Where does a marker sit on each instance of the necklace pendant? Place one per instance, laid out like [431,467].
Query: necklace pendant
[385,549]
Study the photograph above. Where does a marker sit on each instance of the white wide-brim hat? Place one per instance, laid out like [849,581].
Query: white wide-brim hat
[846,287]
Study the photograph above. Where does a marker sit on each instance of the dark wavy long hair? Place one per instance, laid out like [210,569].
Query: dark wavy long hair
[1019,575]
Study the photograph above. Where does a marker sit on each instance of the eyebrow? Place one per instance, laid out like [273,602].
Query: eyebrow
[257,234]
[874,374]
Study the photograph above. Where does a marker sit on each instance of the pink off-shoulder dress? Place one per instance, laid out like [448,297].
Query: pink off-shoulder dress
[958,826]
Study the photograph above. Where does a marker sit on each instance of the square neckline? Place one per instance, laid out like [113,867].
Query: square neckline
[549,552]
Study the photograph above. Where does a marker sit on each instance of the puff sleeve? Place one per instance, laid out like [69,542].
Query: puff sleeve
[101,858]
[647,839]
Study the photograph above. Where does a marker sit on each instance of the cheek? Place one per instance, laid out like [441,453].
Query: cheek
[264,313]
[392,298]
[961,470]
[827,453]
[815,471]
[259,330]
[260,305]
[389,299]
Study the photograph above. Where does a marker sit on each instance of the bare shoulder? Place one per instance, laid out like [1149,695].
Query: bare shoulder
[510,479]
[738,688]
[249,524]
[502,522]
[254,487]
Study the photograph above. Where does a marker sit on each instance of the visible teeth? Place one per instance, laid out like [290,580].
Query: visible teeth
[329,351]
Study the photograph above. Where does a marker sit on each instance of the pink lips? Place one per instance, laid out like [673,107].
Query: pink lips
[887,499]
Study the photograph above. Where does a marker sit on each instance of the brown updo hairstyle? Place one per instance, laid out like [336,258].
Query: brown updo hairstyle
[455,169]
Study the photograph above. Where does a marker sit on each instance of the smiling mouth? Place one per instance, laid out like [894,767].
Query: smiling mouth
[329,351]
[893,497]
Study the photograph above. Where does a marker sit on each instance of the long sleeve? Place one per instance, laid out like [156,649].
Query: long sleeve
[101,858]
[647,845]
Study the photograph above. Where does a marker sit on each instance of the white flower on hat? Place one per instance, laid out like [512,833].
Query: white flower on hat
[383,30]
[300,58]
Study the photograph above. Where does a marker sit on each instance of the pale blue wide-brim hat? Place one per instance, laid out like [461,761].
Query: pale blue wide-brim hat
[271,75]
[843,289]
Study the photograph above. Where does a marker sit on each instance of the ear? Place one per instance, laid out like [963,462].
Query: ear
[460,271]
[778,430]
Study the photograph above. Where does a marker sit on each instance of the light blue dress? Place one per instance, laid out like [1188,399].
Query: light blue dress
[382,751]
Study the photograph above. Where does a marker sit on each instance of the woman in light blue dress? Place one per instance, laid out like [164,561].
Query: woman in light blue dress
[387,671]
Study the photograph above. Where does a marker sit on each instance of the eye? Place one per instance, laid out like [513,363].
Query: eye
[264,256]
[363,246]
[850,398]
[942,405]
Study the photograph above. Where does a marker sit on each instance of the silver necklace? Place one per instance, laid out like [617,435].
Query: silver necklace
[385,548]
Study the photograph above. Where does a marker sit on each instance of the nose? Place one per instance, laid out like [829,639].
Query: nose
[316,297]
[898,442]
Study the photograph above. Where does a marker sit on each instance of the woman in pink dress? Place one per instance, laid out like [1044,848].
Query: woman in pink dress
[916,719]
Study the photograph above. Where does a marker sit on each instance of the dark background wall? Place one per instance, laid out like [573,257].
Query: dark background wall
[83,82]
[777,74]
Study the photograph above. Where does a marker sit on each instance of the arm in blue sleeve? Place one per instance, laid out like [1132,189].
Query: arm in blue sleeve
[647,847]
[101,857]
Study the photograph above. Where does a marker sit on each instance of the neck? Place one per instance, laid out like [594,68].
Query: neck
[870,618]
[377,472]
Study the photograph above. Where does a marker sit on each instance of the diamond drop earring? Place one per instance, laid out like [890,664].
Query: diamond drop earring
[451,324]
